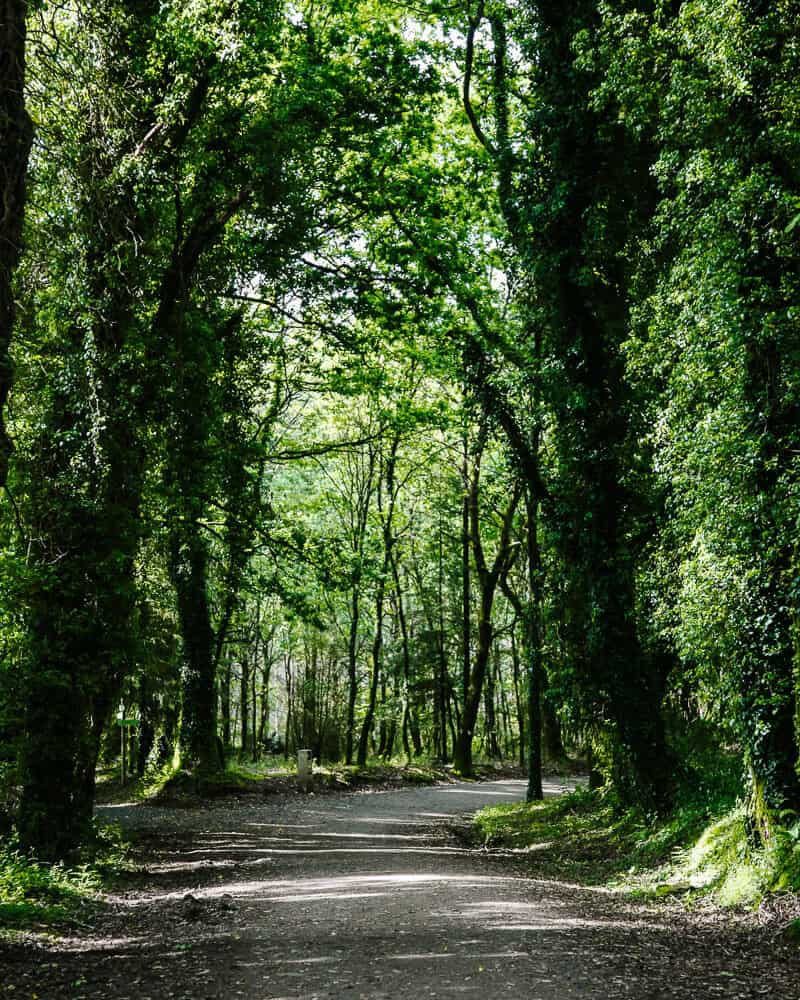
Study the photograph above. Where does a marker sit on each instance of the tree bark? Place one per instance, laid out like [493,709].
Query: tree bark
[244,703]
[16,136]
[199,721]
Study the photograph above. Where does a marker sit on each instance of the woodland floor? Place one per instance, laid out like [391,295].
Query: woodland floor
[373,894]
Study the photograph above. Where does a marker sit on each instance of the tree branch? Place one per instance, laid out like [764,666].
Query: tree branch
[474,24]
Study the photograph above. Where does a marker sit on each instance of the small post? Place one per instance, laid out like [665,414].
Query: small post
[304,769]
[123,762]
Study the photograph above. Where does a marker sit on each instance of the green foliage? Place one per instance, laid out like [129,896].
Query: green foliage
[36,894]
[276,285]
[704,847]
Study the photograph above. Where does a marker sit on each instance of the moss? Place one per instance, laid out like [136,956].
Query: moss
[688,854]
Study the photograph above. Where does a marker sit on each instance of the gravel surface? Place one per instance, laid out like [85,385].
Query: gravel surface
[370,895]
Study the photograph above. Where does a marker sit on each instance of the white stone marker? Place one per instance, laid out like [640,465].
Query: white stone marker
[304,768]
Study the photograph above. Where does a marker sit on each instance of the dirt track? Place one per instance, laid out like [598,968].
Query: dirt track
[368,895]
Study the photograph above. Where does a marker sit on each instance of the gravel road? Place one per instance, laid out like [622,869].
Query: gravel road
[370,896]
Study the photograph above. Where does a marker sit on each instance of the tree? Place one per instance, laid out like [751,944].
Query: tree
[488,575]
[16,136]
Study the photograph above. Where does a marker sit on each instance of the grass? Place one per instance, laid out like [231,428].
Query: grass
[701,850]
[271,773]
[38,895]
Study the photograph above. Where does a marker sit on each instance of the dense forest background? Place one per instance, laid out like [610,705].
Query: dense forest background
[400,380]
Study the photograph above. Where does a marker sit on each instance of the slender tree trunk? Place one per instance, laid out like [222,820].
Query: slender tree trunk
[534,650]
[225,703]
[505,711]
[444,679]
[488,579]
[377,649]
[287,748]
[383,728]
[469,717]
[518,697]
[352,674]
[244,703]
[406,729]
[437,749]
[148,716]
[462,751]
[264,705]
[489,707]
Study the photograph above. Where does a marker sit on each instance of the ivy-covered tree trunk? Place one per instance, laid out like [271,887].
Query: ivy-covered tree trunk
[595,185]
[768,673]
[188,472]
[16,136]
[82,603]
[188,566]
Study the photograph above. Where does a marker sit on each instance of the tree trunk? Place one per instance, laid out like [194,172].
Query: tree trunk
[518,698]
[263,725]
[488,579]
[16,135]
[377,649]
[225,703]
[533,628]
[490,713]
[244,702]
[462,751]
[287,746]
[199,720]
[352,675]
[552,741]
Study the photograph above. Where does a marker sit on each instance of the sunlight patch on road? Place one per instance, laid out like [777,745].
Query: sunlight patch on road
[371,836]
[188,866]
[464,957]
[380,820]
[311,960]
[281,826]
[316,897]
[312,849]
[484,793]
[344,887]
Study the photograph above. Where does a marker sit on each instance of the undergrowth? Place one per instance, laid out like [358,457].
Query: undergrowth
[35,894]
[702,849]
[271,774]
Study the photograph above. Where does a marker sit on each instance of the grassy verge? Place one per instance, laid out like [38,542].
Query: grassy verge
[173,787]
[34,895]
[701,850]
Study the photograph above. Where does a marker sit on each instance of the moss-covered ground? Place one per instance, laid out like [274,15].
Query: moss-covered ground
[702,850]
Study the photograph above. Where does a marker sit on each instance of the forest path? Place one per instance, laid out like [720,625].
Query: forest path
[369,896]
